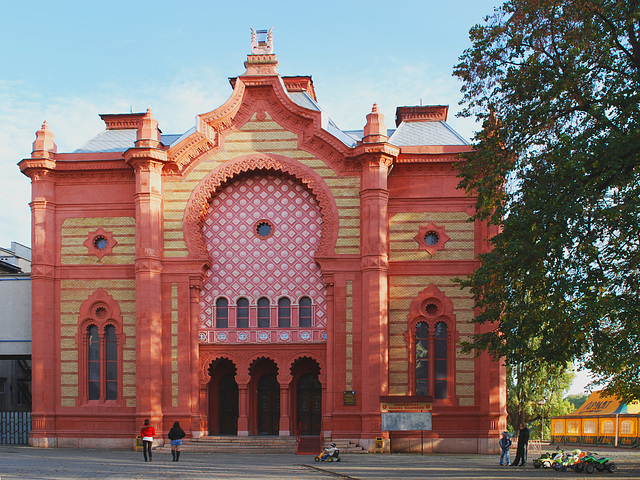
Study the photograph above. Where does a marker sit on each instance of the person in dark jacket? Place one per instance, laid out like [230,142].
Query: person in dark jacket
[176,434]
[523,441]
[505,445]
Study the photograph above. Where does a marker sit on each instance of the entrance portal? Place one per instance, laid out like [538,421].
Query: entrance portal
[268,405]
[309,405]
[228,405]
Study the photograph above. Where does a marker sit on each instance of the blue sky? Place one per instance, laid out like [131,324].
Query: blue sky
[69,61]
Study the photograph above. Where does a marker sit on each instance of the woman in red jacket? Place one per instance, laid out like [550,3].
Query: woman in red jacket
[147,432]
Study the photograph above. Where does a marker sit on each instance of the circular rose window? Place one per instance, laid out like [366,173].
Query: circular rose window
[263,229]
[431,238]
[100,242]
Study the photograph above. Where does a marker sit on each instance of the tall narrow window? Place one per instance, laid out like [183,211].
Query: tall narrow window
[440,360]
[422,358]
[304,312]
[242,313]
[222,313]
[111,363]
[263,313]
[284,312]
[93,340]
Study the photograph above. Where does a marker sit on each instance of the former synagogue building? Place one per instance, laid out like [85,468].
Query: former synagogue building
[264,273]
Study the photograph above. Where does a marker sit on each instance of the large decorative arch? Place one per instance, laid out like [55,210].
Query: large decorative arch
[198,203]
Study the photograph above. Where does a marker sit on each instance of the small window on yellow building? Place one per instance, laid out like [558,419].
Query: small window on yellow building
[607,427]
[626,427]
[573,426]
[589,427]
[558,427]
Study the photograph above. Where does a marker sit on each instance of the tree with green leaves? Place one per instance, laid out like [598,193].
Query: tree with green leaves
[556,85]
[535,393]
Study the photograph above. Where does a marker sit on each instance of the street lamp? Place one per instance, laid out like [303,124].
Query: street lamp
[541,403]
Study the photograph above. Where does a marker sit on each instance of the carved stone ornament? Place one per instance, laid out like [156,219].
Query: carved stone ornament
[262,42]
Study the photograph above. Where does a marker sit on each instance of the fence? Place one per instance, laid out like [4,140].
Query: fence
[15,427]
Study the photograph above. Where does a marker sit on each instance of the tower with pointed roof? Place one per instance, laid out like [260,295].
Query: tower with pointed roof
[263,273]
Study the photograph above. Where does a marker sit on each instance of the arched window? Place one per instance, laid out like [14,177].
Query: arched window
[222,313]
[422,358]
[242,313]
[263,313]
[93,365]
[440,360]
[304,312]
[284,312]
[111,363]
[100,351]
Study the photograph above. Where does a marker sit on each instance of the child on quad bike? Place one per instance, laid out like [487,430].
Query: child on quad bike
[331,453]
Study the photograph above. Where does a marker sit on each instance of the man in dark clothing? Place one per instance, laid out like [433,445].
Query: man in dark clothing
[523,441]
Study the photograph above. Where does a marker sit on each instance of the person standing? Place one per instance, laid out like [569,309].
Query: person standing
[147,432]
[176,434]
[523,441]
[505,444]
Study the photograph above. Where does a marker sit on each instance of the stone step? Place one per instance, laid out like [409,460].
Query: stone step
[233,444]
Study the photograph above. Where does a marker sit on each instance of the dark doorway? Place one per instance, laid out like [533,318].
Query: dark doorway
[223,398]
[268,405]
[309,405]
[228,405]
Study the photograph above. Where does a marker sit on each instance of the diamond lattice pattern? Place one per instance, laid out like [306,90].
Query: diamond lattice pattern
[245,265]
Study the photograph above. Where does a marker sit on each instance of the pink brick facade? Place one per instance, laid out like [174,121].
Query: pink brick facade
[242,277]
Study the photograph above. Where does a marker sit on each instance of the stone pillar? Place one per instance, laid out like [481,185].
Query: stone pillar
[243,405]
[44,245]
[376,157]
[147,160]
[195,407]
[285,405]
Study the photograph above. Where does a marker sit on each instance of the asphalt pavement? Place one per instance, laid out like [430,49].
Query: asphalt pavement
[23,462]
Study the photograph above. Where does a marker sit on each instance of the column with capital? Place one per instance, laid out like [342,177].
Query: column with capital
[44,244]
[376,156]
[147,159]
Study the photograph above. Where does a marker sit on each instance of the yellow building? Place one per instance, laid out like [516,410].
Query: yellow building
[601,420]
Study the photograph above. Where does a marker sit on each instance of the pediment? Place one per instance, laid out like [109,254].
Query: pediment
[262,97]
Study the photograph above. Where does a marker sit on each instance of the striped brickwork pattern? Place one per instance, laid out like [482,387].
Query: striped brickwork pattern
[404,226]
[254,137]
[402,291]
[174,345]
[349,335]
[72,294]
[76,230]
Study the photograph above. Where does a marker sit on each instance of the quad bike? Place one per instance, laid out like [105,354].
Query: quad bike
[548,460]
[589,463]
[334,454]
[570,460]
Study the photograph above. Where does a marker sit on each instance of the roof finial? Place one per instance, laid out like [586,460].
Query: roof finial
[375,129]
[44,146]
[262,42]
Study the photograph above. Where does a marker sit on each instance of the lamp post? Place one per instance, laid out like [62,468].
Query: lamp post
[541,403]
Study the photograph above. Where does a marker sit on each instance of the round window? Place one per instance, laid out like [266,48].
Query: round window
[264,229]
[100,242]
[431,238]
[431,309]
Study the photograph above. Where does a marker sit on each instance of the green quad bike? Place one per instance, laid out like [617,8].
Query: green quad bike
[590,463]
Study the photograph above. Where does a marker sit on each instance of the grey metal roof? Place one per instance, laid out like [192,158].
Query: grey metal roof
[119,141]
[425,133]
[305,100]
[110,141]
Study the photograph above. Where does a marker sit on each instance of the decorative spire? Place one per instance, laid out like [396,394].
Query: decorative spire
[262,42]
[375,129]
[44,146]
[148,132]
[262,60]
